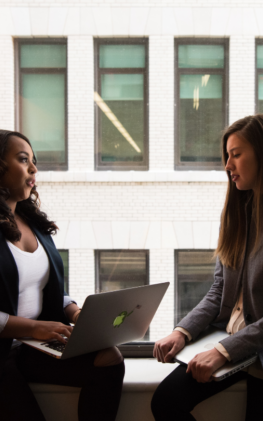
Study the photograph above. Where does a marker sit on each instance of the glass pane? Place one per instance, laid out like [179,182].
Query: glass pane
[122,87]
[201,117]
[43,115]
[199,56]
[64,257]
[195,276]
[122,117]
[43,55]
[260,56]
[260,93]
[122,56]
[122,269]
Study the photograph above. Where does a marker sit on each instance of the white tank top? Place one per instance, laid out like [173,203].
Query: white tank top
[33,273]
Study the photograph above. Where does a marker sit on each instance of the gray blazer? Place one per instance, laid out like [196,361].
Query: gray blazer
[216,307]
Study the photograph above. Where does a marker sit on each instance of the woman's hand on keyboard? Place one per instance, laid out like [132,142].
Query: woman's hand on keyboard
[51,330]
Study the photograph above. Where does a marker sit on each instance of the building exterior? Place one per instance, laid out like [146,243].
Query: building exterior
[198,69]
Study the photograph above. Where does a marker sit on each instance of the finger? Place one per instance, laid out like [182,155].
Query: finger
[154,351]
[58,337]
[171,354]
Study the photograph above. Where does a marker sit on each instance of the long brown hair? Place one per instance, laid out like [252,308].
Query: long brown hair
[28,209]
[232,236]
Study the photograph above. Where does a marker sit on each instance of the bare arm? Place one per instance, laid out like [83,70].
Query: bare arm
[20,327]
[72,312]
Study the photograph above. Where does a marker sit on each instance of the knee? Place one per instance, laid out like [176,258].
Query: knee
[108,357]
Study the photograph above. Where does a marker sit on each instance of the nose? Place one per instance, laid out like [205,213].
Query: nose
[229,165]
[32,168]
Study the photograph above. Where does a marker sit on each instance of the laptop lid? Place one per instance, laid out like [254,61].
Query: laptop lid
[109,319]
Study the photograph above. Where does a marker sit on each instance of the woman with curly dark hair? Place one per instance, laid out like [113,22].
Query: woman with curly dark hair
[33,303]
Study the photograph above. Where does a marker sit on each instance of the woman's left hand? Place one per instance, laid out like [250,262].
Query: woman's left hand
[203,365]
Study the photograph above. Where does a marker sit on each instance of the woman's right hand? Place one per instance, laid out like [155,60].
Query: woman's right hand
[20,327]
[165,349]
[51,330]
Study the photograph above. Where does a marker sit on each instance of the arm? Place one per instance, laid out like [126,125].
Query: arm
[20,327]
[209,307]
[72,312]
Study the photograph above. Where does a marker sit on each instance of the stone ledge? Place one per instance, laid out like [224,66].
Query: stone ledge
[131,176]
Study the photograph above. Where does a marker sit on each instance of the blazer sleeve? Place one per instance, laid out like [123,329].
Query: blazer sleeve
[208,309]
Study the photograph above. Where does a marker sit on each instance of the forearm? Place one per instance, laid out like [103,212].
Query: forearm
[18,327]
[72,312]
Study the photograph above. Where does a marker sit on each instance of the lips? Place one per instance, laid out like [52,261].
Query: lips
[31,182]
[234,177]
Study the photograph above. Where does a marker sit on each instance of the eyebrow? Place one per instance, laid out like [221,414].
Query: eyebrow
[23,152]
[236,147]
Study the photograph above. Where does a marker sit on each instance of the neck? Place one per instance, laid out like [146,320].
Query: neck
[12,204]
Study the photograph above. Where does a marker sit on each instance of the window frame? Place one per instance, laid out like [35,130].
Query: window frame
[176,281]
[67,283]
[258,41]
[97,267]
[42,166]
[198,166]
[121,166]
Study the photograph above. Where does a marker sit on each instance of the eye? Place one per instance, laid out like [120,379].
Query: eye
[23,159]
[236,155]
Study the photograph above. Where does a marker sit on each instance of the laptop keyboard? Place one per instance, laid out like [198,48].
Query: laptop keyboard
[56,345]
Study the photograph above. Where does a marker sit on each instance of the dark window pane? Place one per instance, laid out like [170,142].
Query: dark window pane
[43,115]
[200,56]
[200,117]
[121,104]
[122,269]
[122,56]
[64,257]
[195,273]
[122,117]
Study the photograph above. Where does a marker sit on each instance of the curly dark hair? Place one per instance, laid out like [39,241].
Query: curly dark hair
[28,209]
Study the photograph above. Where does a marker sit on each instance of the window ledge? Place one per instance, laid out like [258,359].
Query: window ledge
[131,176]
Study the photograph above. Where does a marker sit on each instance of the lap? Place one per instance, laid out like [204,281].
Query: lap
[181,389]
[39,367]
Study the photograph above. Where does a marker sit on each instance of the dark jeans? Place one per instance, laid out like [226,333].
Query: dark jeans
[179,393]
[99,397]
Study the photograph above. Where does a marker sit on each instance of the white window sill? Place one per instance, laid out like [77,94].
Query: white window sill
[131,176]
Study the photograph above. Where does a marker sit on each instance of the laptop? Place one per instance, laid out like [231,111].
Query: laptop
[107,319]
[207,340]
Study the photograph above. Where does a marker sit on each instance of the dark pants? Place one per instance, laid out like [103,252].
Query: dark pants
[99,397]
[179,393]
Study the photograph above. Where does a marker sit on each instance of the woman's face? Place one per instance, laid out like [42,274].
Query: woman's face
[242,163]
[20,175]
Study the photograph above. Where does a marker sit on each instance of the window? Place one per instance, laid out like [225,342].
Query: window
[64,257]
[201,92]
[42,98]
[259,76]
[194,275]
[120,269]
[121,91]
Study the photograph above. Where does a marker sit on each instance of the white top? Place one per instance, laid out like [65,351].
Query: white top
[33,274]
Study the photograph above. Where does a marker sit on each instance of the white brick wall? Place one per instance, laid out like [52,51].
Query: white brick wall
[7,83]
[80,103]
[81,274]
[161,102]
[162,270]
[241,77]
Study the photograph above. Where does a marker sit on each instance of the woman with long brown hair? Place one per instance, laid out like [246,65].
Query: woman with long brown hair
[235,299]
[33,302]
